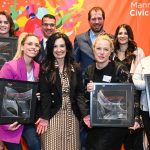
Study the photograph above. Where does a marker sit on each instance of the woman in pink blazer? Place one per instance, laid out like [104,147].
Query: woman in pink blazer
[22,67]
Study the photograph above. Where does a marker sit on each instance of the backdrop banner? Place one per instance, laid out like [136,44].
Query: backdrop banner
[72,16]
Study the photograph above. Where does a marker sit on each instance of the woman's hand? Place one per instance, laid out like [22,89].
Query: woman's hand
[86,120]
[14,126]
[42,125]
[90,86]
[135,126]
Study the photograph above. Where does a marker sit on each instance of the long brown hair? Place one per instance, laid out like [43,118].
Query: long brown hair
[12,25]
[49,65]
[132,45]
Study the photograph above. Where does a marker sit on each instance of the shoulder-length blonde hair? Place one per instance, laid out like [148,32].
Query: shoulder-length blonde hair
[104,37]
[21,40]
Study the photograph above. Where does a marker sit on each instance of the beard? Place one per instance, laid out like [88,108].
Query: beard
[97,29]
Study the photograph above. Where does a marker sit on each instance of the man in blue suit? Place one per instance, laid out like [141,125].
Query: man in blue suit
[48,27]
[83,53]
[83,42]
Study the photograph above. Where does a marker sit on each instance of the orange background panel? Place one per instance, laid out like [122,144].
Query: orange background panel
[72,16]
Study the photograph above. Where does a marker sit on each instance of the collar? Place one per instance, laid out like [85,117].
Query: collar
[44,42]
[92,36]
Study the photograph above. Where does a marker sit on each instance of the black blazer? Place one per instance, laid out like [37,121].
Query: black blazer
[51,94]
[42,53]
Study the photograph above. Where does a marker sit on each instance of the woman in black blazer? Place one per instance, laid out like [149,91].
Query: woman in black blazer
[60,88]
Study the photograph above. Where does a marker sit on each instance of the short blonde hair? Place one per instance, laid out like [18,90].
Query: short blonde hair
[22,38]
[104,37]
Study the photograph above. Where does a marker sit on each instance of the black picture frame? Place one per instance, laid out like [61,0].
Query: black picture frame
[112,105]
[8,47]
[147,85]
[17,101]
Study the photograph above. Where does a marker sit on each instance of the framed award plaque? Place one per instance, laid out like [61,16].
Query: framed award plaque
[8,47]
[112,105]
[17,101]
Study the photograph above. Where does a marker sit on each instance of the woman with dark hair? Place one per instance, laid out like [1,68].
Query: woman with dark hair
[6,30]
[60,88]
[125,48]
[7,26]
[127,52]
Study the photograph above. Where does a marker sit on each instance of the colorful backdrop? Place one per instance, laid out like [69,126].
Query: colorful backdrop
[72,16]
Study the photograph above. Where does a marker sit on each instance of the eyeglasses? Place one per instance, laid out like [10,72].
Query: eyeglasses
[33,44]
[48,24]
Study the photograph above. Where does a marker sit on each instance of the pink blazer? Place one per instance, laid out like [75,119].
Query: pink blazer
[15,69]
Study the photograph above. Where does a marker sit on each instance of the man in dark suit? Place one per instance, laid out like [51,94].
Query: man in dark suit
[83,53]
[48,27]
[83,42]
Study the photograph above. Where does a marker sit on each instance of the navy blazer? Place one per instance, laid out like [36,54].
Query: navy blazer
[51,94]
[42,53]
[83,53]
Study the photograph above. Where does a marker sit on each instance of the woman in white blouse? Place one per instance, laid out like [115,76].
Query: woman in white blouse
[139,81]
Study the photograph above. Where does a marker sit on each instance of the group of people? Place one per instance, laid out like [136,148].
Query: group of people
[66,75]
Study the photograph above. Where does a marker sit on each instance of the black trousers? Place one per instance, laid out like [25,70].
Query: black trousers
[146,122]
[134,140]
[105,138]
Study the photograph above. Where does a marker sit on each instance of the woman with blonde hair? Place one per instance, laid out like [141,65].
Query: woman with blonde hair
[104,70]
[19,51]
[22,67]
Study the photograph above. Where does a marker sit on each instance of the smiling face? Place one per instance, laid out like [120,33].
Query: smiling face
[96,21]
[102,50]
[31,47]
[4,26]
[59,50]
[48,26]
[122,36]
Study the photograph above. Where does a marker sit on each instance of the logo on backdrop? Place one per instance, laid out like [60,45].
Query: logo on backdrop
[139,9]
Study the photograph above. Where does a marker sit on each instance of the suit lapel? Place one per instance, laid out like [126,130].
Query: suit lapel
[43,53]
[87,36]
[72,84]
[21,69]
[58,83]
[87,48]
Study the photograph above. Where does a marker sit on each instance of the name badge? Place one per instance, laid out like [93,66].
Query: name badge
[106,78]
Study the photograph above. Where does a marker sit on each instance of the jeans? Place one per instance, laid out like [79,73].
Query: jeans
[31,138]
